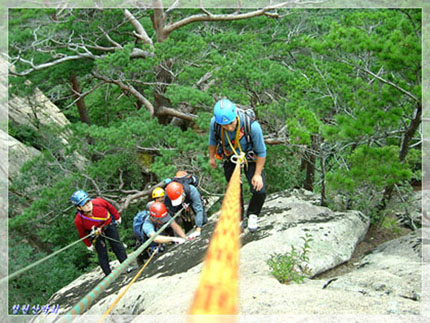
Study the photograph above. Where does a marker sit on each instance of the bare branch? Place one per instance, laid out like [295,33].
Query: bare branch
[52,63]
[82,95]
[128,88]
[207,16]
[173,6]
[175,113]
[332,96]
[139,53]
[99,193]
[154,151]
[126,202]
[141,33]
[409,94]
[117,45]
[203,79]
[121,182]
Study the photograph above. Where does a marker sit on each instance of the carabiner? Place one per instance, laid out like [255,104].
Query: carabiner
[238,158]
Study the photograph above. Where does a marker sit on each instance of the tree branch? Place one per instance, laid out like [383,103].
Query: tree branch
[117,45]
[175,113]
[128,88]
[46,65]
[409,94]
[207,16]
[126,202]
[141,33]
[82,95]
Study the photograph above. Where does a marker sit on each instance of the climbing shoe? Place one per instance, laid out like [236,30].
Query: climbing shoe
[252,222]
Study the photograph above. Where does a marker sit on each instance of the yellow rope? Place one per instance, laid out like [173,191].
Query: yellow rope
[127,288]
[217,293]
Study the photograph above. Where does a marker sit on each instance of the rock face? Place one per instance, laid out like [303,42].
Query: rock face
[394,263]
[37,110]
[18,153]
[387,281]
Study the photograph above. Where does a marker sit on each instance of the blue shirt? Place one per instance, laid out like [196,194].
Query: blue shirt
[148,227]
[257,145]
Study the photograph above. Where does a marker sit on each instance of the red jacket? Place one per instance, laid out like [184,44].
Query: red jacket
[100,216]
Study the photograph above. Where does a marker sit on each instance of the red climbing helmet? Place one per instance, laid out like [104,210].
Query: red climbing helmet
[174,191]
[158,210]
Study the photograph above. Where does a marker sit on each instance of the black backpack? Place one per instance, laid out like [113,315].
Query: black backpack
[248,117]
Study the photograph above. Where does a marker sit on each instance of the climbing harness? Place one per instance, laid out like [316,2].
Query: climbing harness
[238,159]
[235,157]
[128,286]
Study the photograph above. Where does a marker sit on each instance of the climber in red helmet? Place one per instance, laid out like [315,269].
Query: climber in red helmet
[188,197]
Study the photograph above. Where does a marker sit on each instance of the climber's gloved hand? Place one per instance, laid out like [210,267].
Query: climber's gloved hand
[193,235]
[118,222]
[167,180]
[91,248]
[178,240]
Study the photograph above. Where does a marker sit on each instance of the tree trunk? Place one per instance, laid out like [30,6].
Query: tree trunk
[310,173]
[404,148]
[323,197]
[310,158]
[82,109]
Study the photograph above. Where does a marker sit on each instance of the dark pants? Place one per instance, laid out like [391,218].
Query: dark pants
[110,231]
[258,197]
[145,254]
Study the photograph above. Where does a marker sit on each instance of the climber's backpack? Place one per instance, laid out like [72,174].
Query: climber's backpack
[185,178]
[138,222]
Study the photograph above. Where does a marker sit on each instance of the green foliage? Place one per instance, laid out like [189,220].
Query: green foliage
[37,285]
[370,166]
[391,224]
[26,134]
[307,74]
[303,126]
[293,265]
[284,169]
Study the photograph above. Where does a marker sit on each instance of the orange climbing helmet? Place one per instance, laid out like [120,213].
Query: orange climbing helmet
[158,210]
[175,191]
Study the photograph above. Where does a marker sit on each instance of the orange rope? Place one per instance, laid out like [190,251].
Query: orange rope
[217,293]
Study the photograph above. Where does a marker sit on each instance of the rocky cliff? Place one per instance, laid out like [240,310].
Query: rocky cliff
[387,281]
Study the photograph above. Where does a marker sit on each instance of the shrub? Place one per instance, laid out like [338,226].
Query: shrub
[293,265]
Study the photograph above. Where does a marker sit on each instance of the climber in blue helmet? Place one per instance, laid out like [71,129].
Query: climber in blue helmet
[98,216]
[235,131]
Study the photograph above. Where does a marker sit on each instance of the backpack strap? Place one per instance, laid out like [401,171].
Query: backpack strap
[246,119]
[217,131]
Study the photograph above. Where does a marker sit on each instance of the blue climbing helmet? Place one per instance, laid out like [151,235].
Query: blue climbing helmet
[225,112]
[79,198]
